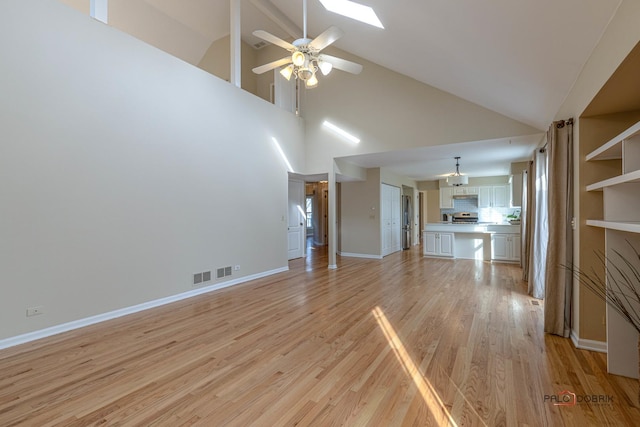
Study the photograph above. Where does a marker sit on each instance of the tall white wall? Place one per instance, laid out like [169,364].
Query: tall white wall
[124,170]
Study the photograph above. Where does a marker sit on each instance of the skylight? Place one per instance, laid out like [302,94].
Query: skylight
[353,10]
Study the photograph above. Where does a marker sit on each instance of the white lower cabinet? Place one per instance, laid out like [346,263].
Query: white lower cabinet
[438,244]
[505,247]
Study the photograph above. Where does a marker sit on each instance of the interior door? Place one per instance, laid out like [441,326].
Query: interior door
[391,219]
[396,220]
[295,220]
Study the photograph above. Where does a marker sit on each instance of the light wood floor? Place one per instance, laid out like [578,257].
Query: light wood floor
[402,341]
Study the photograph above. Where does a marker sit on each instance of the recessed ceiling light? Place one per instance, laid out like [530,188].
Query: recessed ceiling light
[353,10]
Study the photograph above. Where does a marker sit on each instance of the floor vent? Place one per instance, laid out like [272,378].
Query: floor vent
[534,302]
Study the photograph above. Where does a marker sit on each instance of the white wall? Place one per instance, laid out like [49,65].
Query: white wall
[389,111]
[360,221]
[124,170]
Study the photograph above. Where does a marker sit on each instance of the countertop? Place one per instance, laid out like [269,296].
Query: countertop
[481,227]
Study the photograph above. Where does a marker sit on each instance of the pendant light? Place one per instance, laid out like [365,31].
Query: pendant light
[455,179]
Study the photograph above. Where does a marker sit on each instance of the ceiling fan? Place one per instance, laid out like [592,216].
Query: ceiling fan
[305,59]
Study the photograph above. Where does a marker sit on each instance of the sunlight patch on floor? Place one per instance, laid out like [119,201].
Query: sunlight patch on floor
[429,395]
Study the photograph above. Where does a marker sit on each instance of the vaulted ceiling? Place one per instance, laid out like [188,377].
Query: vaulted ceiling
[517,58]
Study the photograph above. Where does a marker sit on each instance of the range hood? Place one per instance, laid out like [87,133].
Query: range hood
[465,196]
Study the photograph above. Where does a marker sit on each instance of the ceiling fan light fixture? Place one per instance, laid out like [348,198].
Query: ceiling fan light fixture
[325,67]
[298,58]
[305,74]
[286,72]
[455,179]
[312,82]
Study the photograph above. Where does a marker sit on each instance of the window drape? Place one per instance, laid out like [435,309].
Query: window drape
[539,227]
[558,278]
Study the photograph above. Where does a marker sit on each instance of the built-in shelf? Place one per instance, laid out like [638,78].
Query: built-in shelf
[613,149]
[630,226]
[620,179]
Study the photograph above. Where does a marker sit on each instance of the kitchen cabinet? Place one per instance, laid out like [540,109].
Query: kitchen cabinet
[496,196]
[464,191]
[505,247]
[439,244]
[516,190]
[446,198]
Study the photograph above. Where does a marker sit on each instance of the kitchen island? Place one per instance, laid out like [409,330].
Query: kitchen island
[482,241]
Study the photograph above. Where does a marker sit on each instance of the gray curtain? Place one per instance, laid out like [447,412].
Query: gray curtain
[558,278]
[525,217]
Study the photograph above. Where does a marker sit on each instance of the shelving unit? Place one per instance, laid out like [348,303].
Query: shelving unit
[621,221]
[621,193]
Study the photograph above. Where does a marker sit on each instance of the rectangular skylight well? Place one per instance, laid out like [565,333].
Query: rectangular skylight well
[353,10]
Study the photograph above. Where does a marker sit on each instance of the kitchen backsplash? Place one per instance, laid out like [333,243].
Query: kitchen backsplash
[484,214]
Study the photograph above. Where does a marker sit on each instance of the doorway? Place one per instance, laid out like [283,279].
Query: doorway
[296,220]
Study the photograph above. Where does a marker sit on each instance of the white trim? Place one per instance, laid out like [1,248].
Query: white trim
[599,346]
[352,255]
[333,266]
[76,324]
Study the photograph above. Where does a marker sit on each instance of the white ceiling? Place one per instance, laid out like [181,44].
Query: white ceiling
[477,159]
[518,58]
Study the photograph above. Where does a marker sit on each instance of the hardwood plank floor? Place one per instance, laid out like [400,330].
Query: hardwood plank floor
[406,341]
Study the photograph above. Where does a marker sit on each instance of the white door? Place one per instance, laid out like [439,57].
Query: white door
[295,220]
[385,195]
[396,220]
[391,219]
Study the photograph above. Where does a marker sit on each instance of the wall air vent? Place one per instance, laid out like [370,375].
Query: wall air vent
[198,278]
[223,272]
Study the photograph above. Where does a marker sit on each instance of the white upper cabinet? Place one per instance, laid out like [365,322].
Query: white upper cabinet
[446,198]
[496,196]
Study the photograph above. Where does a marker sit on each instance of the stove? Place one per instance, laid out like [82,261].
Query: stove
[465,217]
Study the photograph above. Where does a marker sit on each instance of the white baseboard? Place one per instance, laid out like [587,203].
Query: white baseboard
[584,344]
[352,255]
[65,327]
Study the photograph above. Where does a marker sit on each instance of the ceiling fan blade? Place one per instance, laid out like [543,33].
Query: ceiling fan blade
[341,64]
[274,40]
[329,36]
[271,65]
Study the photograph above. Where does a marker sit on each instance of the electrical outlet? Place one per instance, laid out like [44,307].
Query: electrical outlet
[236,268]
[35,311]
